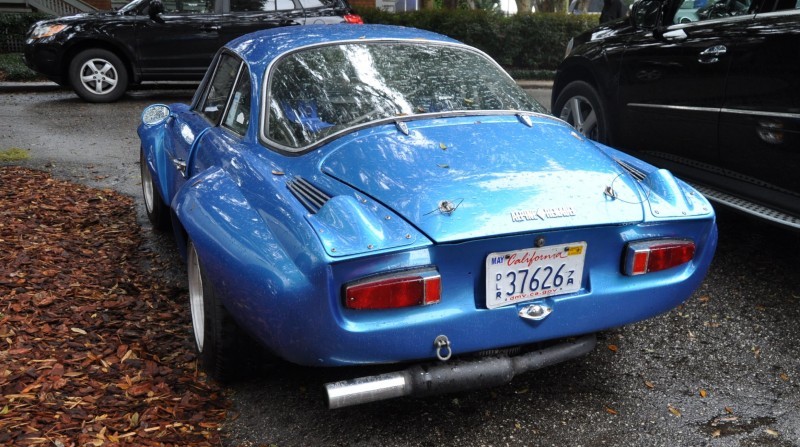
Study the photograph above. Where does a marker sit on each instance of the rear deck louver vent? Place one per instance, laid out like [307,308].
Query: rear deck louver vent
[309,195]
[637,174]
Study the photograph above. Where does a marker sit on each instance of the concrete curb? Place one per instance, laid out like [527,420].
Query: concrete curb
[20,87]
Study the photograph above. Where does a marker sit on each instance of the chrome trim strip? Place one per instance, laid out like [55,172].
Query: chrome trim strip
[667,107]
[793,116]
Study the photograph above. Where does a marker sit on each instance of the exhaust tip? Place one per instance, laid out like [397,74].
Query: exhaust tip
[366,389]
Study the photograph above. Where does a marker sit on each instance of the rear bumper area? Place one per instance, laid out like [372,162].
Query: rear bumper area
[452,376]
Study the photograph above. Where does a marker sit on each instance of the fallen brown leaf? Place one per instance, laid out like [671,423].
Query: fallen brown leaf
[81,318]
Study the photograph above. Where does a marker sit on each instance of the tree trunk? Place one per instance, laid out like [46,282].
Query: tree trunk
[523,6]
[551,5]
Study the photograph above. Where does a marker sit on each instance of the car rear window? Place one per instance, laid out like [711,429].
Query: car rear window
[322,90]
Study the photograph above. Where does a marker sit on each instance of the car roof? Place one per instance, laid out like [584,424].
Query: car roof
[259,49]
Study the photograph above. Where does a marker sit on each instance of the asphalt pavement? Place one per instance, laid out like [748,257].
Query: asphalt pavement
[721,370]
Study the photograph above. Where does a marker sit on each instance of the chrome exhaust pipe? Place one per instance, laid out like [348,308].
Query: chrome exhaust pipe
[460,375]
[367,389]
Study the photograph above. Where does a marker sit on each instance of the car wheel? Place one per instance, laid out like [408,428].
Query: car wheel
[218,340]
[157,211]
[579,104]
[98,76]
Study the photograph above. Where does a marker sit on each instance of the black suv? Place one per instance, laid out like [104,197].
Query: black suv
[708,89]
[100,54]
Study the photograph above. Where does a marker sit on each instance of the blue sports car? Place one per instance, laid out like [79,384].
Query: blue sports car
[351,195]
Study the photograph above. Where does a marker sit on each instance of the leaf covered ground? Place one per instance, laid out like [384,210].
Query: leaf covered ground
[94,351]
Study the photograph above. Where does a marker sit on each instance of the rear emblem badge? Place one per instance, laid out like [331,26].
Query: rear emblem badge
[542,214]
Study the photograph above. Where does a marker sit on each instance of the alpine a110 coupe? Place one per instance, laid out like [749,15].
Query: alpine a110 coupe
[355,195]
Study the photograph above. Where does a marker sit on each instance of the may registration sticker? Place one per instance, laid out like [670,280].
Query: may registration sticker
[523,275]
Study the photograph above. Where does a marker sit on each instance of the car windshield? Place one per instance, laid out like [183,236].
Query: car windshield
[131,6]
[322,90]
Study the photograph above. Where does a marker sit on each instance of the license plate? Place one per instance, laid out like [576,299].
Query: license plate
[524,275]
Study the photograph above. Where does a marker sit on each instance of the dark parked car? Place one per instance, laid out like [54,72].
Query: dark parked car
[713,96]
[99,55]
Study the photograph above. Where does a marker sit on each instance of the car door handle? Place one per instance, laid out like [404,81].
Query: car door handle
[711,55]
[210,28]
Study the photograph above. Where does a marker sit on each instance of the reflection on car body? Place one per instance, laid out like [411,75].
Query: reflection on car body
[368,195]
[714,99]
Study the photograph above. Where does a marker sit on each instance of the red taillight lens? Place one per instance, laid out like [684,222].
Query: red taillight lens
[653,256]
[354,19]
[403,289]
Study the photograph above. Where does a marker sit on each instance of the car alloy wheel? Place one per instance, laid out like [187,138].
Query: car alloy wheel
[98,75]
[157,211]
[579,104]
[196,301]
[578,111]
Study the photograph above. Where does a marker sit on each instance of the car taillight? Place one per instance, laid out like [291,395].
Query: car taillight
[401,289]
[653,256]
[354,19]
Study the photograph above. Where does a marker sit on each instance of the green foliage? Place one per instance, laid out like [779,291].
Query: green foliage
[12,68]
[531,43]
[13,154]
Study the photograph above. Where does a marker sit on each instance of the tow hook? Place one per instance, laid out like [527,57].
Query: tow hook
[535,312]
[442,343]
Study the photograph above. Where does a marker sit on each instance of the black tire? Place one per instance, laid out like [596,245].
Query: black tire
[580,105]
[155,207]
[219,342]
[98,76]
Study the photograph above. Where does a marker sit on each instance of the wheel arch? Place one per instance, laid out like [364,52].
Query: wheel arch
[575,71]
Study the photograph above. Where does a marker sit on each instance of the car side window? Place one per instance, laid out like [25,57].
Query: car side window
[698,10]
[188,7]
[261,5]
[237,118]
[219,89]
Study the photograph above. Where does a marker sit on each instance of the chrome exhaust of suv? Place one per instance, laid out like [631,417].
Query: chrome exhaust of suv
[453,376]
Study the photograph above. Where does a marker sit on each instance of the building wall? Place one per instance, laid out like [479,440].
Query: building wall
[102,5]
[362,4]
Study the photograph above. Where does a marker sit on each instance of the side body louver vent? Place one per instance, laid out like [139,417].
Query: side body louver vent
[309,195]
[637,174]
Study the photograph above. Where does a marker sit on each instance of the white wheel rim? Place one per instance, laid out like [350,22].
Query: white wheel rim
[196,297]
[99,76]
[147,186]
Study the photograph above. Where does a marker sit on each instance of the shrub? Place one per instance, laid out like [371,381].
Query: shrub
[526,43]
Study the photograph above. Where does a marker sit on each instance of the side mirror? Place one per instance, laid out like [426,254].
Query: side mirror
[155,114]
[154,9]
[647,14]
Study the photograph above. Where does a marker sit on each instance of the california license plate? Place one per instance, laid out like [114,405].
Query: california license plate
[524,275]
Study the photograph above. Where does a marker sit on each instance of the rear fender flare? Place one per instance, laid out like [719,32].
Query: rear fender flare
[249,266]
